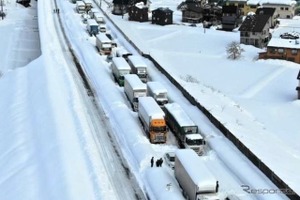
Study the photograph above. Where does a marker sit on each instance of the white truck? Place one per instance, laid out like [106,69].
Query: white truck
[138,67]
[92,12]
[120,68]
[103,44]
[134,88]
[99,18]
[158,92]
[92,27]
[122,52]
[185,130]
[80,7]
[153,120]
[194,177]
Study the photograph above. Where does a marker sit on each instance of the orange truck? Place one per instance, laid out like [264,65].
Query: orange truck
[153,120]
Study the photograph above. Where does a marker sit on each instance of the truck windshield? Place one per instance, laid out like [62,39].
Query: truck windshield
[159,128]
[161,96]
[194,142]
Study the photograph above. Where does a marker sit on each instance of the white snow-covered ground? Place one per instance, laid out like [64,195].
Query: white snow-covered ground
[49,150]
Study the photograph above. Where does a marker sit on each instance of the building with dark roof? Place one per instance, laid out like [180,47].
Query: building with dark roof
[192,11]
[162,16]
[270,12]
[230,17]
[255,30]
[138,12]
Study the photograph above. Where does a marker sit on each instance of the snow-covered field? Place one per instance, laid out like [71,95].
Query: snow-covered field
[48,146]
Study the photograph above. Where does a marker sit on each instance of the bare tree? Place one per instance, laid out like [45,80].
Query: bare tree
[234,50]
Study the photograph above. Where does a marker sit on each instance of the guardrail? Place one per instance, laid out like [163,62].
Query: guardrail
[285,189]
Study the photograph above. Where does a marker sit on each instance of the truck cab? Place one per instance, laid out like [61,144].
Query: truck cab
[195,142]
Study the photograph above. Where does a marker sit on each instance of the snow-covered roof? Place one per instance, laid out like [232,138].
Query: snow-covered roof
[120,63]
[156,87]
[195,136]
[273,2]
[151,107]
[284,43]
[135,82]
[179,114]
[92,22]
[103,38]
[137,61]
[196,168]
[122,51]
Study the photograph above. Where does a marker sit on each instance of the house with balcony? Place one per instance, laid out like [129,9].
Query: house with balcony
[192,11]
[255,30]
[285,47]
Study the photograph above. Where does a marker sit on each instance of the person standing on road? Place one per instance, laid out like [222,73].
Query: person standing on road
[152,161]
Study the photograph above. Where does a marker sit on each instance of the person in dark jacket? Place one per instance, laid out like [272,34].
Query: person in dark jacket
[161,162]
[152,161]
[157,163]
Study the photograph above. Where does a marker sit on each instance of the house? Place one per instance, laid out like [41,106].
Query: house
[284,9]
[240,4]
[162,16]
[138,12]
[286,47]
[255,30]
[120,7]
[298,87]
[191,11]
[270,12]
[212,13]
[230,16]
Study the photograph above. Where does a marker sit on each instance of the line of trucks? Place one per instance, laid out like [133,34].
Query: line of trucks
[155,113]
[150,100]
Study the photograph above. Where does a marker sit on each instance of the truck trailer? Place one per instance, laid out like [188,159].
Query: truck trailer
[99,18]
[92,27]
[103,44]
[185,130]
[158,92]
[153,120]
[194,177]
[120,68]
[134,88]
[138,67]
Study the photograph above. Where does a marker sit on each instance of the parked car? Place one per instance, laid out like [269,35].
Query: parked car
[169,158]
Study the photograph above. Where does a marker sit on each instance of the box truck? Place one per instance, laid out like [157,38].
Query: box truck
[134,88]
[158,92]
[138,67]
[194,177]
[119,68]
[153,120]
[92,27]
[185,130]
